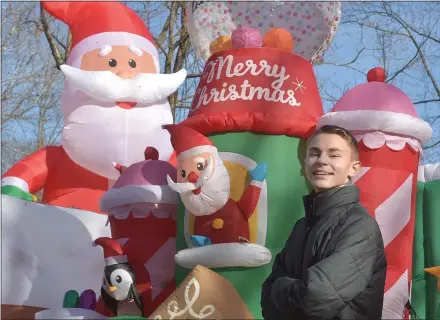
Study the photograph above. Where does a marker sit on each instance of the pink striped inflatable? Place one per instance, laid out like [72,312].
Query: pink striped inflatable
[389,132]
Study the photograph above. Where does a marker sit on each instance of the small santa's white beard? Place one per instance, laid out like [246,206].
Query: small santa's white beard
[106,86]
[96,133]
[213,194]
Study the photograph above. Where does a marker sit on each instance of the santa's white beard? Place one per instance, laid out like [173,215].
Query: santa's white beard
[105,86]
[97,133]
[213,194]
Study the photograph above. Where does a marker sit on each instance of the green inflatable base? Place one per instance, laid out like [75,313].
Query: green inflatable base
[286,186]
[425,297]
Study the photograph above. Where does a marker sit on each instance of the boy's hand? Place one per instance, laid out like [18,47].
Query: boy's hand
[259,173]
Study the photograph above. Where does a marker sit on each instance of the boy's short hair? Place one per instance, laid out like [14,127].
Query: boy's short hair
[343,133]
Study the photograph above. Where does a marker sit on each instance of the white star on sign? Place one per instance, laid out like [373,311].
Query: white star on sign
[299,85]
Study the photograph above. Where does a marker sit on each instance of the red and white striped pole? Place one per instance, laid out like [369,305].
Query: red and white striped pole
[389,131]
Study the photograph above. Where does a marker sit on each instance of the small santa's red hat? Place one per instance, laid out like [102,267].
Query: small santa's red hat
[97,24]
[113,253]
[188,142]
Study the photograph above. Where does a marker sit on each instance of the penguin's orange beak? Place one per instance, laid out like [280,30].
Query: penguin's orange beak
[112,289]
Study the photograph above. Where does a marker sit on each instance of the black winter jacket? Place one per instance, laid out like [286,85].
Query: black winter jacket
[333,265]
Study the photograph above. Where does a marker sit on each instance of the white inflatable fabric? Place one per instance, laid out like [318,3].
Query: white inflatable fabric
[429,172]
[223,255]
[64,313]
[47,250]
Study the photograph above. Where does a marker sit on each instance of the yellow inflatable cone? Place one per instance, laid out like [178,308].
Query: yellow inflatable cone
[435,271]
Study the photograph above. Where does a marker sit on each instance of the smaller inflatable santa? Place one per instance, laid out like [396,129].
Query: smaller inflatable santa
[114,103]
[221,227]
[142,212]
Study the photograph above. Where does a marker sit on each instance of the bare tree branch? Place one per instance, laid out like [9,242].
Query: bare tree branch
[50,38]
[427,101]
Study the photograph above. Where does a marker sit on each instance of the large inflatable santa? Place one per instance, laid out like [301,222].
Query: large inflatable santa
[114,103]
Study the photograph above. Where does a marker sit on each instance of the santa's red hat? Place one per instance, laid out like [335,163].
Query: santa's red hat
[188,142]
[113,253]
[96,24]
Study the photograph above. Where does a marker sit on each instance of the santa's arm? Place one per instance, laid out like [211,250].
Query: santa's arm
[30,173]
[249,199]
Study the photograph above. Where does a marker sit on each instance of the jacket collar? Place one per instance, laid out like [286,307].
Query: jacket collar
[315,204]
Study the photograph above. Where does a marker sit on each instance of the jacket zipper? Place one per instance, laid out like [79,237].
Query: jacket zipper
[312,214]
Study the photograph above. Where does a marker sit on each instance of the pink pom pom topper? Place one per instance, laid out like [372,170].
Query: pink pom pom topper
[246,37]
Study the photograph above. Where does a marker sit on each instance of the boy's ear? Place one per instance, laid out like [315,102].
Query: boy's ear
[355,168]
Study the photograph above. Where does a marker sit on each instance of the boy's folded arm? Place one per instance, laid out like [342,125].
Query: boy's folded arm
[267,306]
[334,281]
[278,270]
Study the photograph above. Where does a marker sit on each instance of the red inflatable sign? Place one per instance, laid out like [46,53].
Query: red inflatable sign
[262,90]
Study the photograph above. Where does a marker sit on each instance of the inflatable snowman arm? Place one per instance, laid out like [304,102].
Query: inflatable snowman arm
[30,173]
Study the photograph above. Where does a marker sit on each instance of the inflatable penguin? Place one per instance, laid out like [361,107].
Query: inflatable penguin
[118,290]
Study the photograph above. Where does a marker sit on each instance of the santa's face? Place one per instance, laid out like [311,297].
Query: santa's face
[203,183]
[122,61]
[114,105]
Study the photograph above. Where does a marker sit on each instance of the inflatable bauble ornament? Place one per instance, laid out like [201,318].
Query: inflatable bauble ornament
[376,74]
[221,43]
[278,38]
[246,37]
[312,25]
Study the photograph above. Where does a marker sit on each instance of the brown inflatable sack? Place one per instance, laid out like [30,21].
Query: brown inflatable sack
[203,294]
[19,312]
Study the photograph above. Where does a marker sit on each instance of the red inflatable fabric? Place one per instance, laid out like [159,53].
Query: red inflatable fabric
[262,90]
[65,183]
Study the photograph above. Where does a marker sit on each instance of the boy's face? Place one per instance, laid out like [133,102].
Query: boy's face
[329,162]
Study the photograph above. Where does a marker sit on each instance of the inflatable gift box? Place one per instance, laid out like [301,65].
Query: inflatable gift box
[390,133]
[257,100]
[142,214]
[203,294]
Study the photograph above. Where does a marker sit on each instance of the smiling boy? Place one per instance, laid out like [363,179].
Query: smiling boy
[333,265]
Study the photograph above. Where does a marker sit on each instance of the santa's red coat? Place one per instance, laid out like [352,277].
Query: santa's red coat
[65,183]
[234,217]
